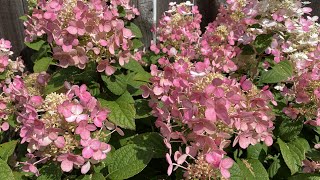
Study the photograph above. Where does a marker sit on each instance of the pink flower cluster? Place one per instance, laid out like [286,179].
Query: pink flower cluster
[68,128]
[203,110]
[179,31]
[5,52]
[83,31]
[293,33]
[304,95]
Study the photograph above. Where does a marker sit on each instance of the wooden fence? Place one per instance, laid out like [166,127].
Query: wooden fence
[11,27]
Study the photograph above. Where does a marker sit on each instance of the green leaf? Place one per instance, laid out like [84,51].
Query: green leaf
[152,141]
[135,81]
[23,18]
[44,51]
[129,161]
[137,44]
[35,45]
[293,153]
[274,168]
[7,149]
[58,78]
[252,169]
[143,109]
[5,171]
[288,157]
[279,73]
[247,50]
[258,151]
[94,88]
[122,111]
[50,171]
[3,75]
[117,84]
[305,177]
[236,173]
[12,120]
[289,130]
[134,66]
[314,155]
[135,30]
[88,75]
[42,64]
[95,176]
[121,11]
[262,42]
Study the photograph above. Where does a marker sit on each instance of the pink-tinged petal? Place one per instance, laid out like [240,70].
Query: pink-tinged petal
[95,144]
[170,168]
[91,127]
[85,134]
[268,140]
[105,148]
[158,90]
[97,122]
[66,48]
[80,129]
[98,155]
[77,109]
[103,42]
[53,135]
[246,85]
[111,49]
[60,142]
[225,173]
[102,115]
[79,161]
[127,33]
[85,168]
[72,30]
[5,126]
[87,152]
[71,118]
[182,159]
[227,163]
[82,117]
[244,142]
[222,113]
[191,151]
[34,170]
[110,70]
[119,131]
[66,165]
[168,158]
[210,114]
[45,141]
[218,92]
[176,155]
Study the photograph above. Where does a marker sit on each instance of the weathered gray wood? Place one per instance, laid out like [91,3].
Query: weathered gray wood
[11,28]
[144,21]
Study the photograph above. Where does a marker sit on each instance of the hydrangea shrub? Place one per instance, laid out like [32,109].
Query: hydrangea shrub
[237,101]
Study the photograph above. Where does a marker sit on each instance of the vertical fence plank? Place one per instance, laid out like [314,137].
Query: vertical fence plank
[144,21]
[11,27]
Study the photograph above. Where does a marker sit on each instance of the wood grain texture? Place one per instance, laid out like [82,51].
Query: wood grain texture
[144,21]
[11,28]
